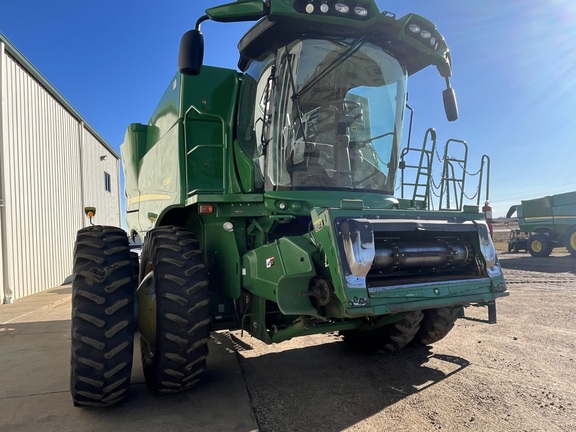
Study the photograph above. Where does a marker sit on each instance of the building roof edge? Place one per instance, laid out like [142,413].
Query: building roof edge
[29,67]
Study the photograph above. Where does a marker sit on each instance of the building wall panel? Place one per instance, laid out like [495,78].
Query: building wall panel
[53,166]
[96,161]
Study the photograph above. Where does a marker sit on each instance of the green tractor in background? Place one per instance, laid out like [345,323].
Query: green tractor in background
[265,201]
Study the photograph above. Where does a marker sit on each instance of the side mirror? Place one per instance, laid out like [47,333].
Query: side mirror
[450,104]
[191,54]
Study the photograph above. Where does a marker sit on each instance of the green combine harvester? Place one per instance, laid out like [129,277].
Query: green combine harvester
[549,221]
[265,201]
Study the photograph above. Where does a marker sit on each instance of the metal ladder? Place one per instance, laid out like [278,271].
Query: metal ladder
[417,183]
[423,177]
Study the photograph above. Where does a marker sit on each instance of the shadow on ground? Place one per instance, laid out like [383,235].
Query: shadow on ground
[346,386]
[551,264]
[35,396]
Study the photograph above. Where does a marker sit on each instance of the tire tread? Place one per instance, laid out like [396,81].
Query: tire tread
[178,358]
[103,321]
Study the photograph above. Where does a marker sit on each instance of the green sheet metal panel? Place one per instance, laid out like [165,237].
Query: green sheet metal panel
[556,212]
[207,106]
[565,204]
[539,207]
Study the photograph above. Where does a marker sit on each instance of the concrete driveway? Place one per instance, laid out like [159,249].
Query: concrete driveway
[35,373]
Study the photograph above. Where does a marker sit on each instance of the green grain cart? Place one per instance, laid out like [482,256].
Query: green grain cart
[264,199]
[550,222]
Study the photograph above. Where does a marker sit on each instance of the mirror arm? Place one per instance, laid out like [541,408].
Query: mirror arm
[201,20]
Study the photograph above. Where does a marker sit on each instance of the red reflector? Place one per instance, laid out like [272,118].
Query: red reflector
[205,209]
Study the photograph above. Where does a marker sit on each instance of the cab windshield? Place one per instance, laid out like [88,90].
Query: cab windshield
[337,117]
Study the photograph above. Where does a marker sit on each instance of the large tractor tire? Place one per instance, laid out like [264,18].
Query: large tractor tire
[540,245]
[174,264]
[103,321]
[436,324]
[388,338]
[571,241]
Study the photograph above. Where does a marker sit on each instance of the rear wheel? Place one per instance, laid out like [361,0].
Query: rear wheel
[539,245]
[386,339]
[173,262]
[436,324]
[103,321]
[571,241]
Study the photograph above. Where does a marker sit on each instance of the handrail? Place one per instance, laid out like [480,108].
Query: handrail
[485,161]
[450,179]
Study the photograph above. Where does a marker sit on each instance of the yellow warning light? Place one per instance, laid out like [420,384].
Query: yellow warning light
[90,212]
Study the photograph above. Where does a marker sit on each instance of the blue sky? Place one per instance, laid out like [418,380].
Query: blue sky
[514,73]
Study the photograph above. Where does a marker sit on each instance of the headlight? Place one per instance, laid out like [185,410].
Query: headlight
[351,9]
[361,11]
[428,36]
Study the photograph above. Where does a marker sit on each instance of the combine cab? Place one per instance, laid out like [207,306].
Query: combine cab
[265,201]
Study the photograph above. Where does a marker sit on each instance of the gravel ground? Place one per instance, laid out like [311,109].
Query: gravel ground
[516,375]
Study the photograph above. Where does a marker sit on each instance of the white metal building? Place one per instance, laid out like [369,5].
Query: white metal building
[52,165]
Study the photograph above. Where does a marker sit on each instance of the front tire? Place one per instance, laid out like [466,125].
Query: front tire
[103,321]
[436,324]
[539,245]
[176,359]
[388,338]
[571,241]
